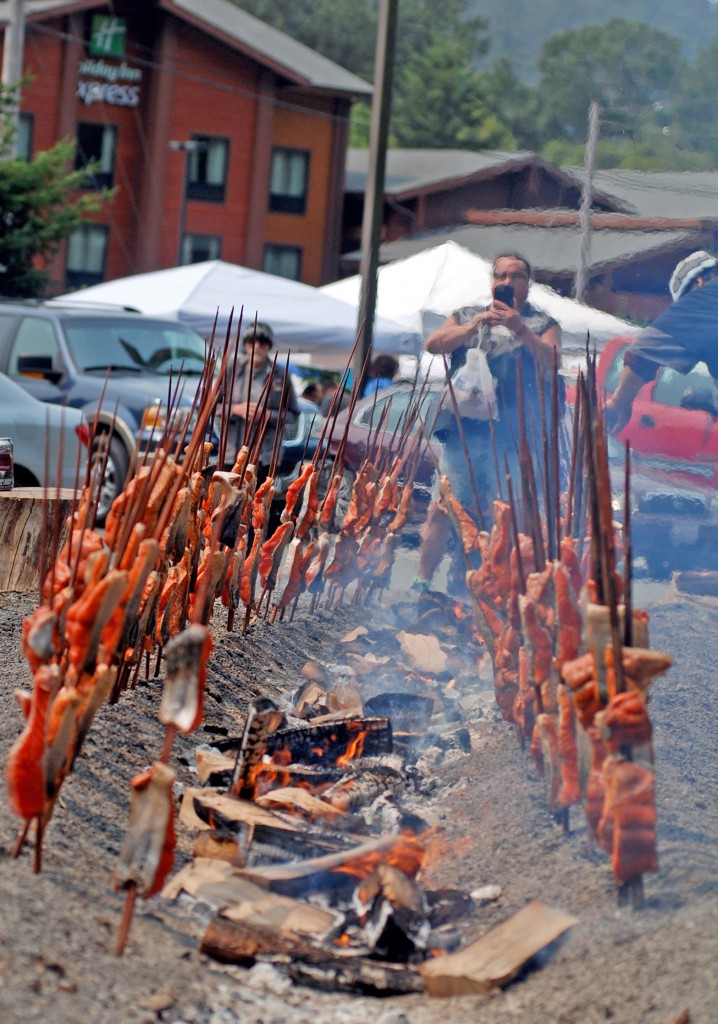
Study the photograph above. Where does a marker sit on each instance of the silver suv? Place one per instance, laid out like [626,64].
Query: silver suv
[114,365]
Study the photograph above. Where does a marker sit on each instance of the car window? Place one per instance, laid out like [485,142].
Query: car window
[401,403]
[97,342]
[35,337]
[396,403]
[694,390]
[7,322]
[614,370]
[428,406]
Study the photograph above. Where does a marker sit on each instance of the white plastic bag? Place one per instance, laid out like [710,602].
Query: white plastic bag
[474,388]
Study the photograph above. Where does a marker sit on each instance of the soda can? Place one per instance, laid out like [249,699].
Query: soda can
[7,466]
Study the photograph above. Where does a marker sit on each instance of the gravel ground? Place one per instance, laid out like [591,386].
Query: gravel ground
[57,929]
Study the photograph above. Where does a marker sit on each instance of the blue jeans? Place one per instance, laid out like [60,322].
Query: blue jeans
[453,463]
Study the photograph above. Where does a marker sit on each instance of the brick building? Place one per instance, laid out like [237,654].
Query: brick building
[222,137]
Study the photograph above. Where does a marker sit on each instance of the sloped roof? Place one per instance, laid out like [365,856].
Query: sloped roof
[269,46]
[243,32]
[680,194]
[35,9]
[552,250]
[413,171]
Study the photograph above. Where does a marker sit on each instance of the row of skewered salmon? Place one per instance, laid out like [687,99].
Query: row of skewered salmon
[587,726]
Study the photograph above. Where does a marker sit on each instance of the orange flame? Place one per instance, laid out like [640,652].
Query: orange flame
[406,854]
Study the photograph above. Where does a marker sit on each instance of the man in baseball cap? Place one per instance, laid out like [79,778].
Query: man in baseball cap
[260,333]
[248,394]
[685,334]
[692,272]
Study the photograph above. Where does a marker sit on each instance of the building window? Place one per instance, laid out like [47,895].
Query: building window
[25,130]
[199,248]
[288,180]
[283,260]
[86,254]
[96,143]
[207,169]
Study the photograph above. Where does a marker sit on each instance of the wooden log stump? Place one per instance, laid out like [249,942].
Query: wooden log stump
[22,512]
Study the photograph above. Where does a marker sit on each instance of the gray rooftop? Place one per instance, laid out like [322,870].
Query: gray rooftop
[410,170]
[553,250]
[681,194]
[270,46]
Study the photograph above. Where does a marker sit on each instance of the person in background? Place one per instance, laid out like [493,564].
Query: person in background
[685,334]
[507,331]
[313,393]
[382,371]
[330,390]
[246,394]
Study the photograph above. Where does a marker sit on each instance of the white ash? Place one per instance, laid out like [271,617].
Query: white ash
[268,978]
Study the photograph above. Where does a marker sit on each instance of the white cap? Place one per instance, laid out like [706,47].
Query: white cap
[688,270]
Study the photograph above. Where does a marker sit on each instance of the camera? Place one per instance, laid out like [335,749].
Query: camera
[504,293]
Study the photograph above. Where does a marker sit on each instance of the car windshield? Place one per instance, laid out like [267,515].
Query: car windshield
[399,402]
[138,345]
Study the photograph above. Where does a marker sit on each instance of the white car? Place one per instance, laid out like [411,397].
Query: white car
[41,435]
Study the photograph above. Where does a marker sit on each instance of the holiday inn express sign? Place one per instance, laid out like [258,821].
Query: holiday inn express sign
[116,84]
[107,36]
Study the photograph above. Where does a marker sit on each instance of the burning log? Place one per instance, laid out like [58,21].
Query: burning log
[393,913]
[335,971]
[337,742]
[341,869]
[264,718]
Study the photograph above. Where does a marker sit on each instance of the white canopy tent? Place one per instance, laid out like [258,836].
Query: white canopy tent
[303,318]
[422,290]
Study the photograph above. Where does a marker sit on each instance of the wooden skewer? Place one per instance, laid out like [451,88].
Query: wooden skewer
[124,929]
[627,555]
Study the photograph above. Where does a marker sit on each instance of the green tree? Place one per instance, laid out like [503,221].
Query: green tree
[654,151]
[695,117]
[628,68]
[343,30]
[512,101]
[438,94]
[42,203]
[439,102]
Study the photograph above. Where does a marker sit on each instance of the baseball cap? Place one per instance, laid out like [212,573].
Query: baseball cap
[260,331]
[688,270]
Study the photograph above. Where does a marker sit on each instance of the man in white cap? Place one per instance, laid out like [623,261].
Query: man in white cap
[686,334]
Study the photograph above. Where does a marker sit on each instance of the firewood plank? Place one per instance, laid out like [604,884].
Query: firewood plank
[237,943]
[237,899]
[293,798]
[497,957]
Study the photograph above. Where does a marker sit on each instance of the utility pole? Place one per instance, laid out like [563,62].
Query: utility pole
[584,245]
[374,193]
[13,51]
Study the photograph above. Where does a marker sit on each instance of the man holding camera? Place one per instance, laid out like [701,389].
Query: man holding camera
[508,331]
